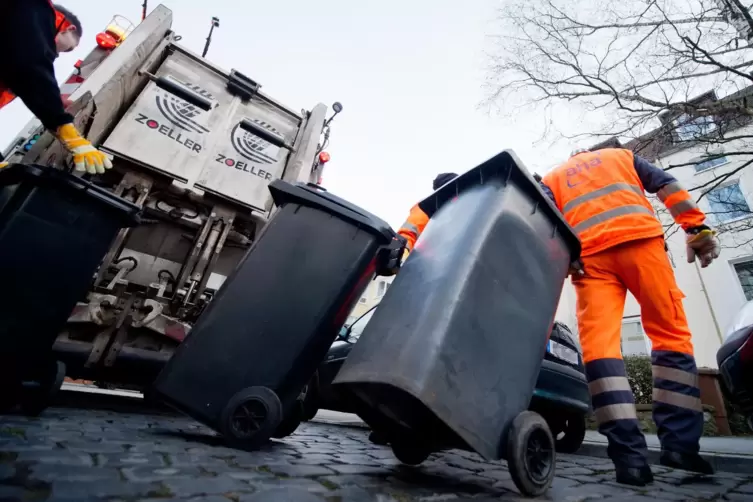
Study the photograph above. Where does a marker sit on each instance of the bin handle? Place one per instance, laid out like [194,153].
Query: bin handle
[274,138]
[316,187]
[85,186]
[180,90]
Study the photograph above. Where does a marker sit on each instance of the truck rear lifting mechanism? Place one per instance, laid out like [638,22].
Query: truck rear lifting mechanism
[195,147]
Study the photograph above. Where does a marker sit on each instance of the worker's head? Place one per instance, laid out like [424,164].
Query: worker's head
[578,151]
[537,177]
[67,28]
[443,179]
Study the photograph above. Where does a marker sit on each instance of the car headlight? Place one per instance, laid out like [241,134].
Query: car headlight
[561,352]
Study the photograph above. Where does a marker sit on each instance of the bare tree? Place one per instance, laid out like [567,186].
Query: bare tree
[657,74]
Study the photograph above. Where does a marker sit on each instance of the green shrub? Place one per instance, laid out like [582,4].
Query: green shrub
[737,422]
[639,375]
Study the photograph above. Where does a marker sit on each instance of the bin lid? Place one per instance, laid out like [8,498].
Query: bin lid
[504,168]
[309,194]
[13,174]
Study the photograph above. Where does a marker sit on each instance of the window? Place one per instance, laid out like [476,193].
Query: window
[688,128]
[728,203]
[711,163]
[633,341]
[744,273]
[382,287]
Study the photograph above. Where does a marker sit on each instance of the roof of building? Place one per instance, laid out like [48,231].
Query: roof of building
[663,140]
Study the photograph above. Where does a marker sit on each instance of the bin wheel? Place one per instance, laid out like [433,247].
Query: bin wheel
[311,398]
[291,421]
[574,431]
[410,453]
[530,454]
[36,399]
[251,417]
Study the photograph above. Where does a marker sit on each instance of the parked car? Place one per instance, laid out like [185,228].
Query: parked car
[561,395]
[735,359]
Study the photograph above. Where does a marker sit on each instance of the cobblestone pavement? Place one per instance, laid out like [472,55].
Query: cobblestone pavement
[80,455]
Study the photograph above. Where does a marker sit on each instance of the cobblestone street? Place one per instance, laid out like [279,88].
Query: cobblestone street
[79,455]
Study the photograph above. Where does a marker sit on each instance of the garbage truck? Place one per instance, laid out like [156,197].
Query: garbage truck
[195,147]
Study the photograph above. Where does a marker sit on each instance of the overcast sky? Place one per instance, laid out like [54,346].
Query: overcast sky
[408,73]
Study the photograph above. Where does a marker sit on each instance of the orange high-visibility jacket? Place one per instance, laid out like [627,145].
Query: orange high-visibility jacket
[413,226]
[601,195]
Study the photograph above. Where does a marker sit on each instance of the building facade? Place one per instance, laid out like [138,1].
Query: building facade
[370,298]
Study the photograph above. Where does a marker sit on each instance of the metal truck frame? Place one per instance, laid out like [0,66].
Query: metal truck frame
[195,147]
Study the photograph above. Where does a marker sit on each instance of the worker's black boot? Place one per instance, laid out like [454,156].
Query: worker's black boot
[634,476]
[691,462]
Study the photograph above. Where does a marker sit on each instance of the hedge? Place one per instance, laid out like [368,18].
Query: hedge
[639,375]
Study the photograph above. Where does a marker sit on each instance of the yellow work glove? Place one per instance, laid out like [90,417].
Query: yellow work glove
[3,164]
[85,156]
[704,245]
[406,252]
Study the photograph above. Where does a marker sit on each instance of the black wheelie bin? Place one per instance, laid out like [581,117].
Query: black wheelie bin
[258,343]
[55,228]
[451,357]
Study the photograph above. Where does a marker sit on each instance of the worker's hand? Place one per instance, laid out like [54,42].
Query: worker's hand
[85,156]
[3,164]
[576,268]
[702,243]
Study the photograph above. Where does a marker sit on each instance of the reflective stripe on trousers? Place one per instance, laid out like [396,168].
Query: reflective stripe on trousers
[610,213]
[614,408]
[677,401]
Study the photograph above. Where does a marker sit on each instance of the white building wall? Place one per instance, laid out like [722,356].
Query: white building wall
[372,295]
[714,295]
[566,308]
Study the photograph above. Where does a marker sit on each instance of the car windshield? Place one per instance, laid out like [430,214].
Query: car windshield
[357,328]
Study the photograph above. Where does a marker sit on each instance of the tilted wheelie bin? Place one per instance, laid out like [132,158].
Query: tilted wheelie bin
[55,228]
[451,357]
[258,343]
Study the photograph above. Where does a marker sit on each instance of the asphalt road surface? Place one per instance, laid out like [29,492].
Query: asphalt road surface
[83,454]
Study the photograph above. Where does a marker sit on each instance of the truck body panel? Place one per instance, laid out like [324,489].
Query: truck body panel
[195,147]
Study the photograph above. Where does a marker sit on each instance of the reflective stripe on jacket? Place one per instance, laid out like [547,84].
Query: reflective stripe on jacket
[681,206]
[601,196]
[413,226]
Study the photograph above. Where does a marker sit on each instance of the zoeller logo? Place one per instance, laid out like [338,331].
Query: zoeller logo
[252,147]
[181,113]
[169,132]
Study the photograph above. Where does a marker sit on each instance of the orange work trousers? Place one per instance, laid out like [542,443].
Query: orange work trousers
[643,268]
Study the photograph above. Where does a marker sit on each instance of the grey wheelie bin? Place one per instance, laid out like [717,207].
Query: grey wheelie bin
[244,365]
[55,228]
[451,356]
